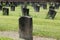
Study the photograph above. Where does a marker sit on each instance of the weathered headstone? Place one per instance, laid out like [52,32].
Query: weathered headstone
[32,4]
[1,3]
[37,7]
[51,14]
[11,3]
[41,4]
[25,27]
[51,3]
[13,8]
[28,3]
[25,10]
[15,3]
[44,5]
[5,11]
[7,4]
[0,7]
[57,5]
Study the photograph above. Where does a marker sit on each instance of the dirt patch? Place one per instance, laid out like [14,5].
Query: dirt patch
[15,36]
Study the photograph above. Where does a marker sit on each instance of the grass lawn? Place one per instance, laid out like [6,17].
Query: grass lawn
[5,38]
[41,26]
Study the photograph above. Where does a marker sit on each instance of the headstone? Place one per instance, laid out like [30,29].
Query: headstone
[51,14]
[11,3]
[44,5]
[1,3]
[28,3]
[25,28]
[15,3]
[57,5]
[5,11]
[7,4]
[51,7]
[13,8]
[37,7]
[0,7]
[25,10]
[41,4]
[32,4]
[51,3]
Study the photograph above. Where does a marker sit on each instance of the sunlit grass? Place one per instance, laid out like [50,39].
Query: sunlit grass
[5,38]
[41,26]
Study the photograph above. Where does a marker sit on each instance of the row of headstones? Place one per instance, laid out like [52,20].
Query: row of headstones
[51,13]
[6,10]
[42,4]
[37,6]
[9,3]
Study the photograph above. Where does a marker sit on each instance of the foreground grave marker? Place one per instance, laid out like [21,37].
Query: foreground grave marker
[25,27]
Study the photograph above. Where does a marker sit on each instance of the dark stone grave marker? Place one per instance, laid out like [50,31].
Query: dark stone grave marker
[25,28]
[41,4]
[15,3]
[0,7]
[51,14]
[25,10]
[37,7]
[5,11]
[13,8]
[28,3]
[1,3]
[32,4]
[7,4]
[44,5]
[11,3]
[57,5]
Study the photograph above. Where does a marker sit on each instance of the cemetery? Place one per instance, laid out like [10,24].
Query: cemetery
[29,20]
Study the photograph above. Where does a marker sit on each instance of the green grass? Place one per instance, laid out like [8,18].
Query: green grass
[5,38]
[41,26]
